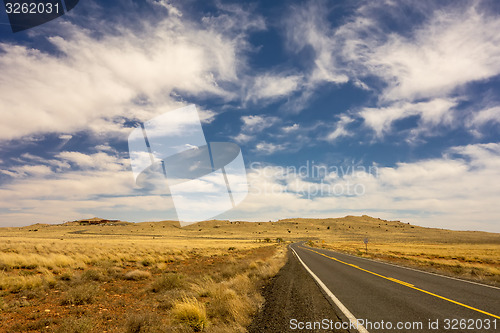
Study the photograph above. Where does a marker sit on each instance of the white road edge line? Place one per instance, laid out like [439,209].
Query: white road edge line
[337,302]
[409,268]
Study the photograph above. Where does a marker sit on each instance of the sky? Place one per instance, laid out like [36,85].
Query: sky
[384,108]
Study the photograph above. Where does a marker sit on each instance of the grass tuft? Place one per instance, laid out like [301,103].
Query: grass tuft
[192,313]
[144,323]
[81,295]
[137,275]
[168,281]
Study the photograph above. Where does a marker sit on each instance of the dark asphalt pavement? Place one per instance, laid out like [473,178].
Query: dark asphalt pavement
[374,292]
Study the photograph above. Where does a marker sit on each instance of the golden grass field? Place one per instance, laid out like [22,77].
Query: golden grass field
[158,277]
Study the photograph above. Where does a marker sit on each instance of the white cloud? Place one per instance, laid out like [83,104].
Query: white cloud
[65,137]
[243,138]
[340,129]
[448,48]
[432,113]
[268,86]
[92,82]
[268,148]
[455,47]
[424,192]
[307,27]
[292,128]
[28,170]
[100,160]
[97,182]
[482,117]
[255,123]
[170,8]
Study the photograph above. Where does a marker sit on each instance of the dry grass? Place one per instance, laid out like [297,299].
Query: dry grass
[137,275]
[192,313]
[82,294]
[78,282]
[157,277]
[75,325]
[168,281]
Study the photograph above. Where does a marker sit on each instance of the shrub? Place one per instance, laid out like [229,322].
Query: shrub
[147,262]
[137,275]
[144,322]
[168,281]
[224,304]
[168,299]
[82,294]
[92,275]
[191,313]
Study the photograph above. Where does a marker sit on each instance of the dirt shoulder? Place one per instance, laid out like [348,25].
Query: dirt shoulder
[293,294]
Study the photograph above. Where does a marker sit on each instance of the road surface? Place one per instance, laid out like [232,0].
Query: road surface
[388,298]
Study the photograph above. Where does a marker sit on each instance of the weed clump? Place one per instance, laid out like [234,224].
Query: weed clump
[144,323]
[92,275]
[168,281]
[82,294]
[192,313]
[137,275]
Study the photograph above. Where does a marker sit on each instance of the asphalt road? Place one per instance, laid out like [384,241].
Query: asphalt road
[384,297]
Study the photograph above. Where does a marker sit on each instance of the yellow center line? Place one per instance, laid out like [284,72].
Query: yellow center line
[406,284]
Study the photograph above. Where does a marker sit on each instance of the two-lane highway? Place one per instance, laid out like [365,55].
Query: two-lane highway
[390,298]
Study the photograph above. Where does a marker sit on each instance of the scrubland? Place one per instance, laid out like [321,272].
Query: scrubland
[206,277]
[61,280]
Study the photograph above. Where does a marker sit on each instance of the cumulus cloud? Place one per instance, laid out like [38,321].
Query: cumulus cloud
[88,183]
[424,192]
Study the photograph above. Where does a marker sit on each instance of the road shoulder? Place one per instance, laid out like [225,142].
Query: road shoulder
[293,295]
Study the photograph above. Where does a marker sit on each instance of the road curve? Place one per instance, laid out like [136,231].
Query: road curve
[389,298]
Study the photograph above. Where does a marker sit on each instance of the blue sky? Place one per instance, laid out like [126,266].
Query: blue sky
[406,93]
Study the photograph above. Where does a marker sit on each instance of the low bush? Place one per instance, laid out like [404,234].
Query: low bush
[82,294]
[137,275]
[144,323]
[192,313]
[168,281]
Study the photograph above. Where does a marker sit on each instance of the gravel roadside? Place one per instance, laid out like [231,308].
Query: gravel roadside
[293,295]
